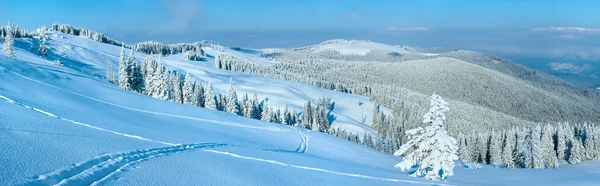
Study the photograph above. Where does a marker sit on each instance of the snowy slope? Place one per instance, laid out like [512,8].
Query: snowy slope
[354,47]
[91,57]
[60,125]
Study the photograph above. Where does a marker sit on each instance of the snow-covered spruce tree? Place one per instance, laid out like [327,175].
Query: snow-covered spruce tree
[136,79]
[548,152]
[110,74]
[523,149]
[247,106]
[285,115]
[266,113]
[256,109]
[508,152]
[463,151]
[430,147]
[537,158]
[210,99]
[561,142]
[188,89]
[198,98]
[177,93]
[307,115]
[160,83]
[124,82]
[9,40]
[577,152]
[42,51]
[232,100]
[496,149]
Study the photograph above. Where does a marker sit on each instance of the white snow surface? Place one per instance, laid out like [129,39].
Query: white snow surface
[90,57]
[63,126]
[355,47]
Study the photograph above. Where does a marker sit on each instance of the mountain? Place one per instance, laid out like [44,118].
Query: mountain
[486,91]
[61,123]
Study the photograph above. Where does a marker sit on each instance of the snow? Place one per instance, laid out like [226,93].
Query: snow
[355,47]
[90,57]
[63,125]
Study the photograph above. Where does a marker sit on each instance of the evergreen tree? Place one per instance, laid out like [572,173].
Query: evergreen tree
[561,143]
[124,67]
[247,106]
[463,151]
[548,152]
[189,83]
[198,98]
[177,91]
[9,41]
[496,149]
[508,152]
[110,75]
[232,100]
[42,51]
[537,158]
[210,99]
[307,116]
[577,152]
[266,113]
[256,109]
[285,116]
[160,83]
[430,147]
[522,148]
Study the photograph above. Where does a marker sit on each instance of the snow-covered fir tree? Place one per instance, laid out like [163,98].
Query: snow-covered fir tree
[124,72]
[561,142]
[548,152]
[110,74]
[577,153]
[198,98]
[189,83]
[496,149]
[42,51]
[210,99]
[537,159]
[430,147]
[9,40]
[177,84]
[307,115]
[160,83]
[266,113]
[247,106]
[256,109]
[508,152]
[232,100]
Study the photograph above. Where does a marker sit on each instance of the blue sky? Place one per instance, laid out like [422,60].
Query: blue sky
[534,32]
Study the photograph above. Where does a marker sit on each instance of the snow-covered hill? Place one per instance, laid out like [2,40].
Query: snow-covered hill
[91,57]
[61,125]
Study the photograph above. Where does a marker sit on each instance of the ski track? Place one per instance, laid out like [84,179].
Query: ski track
[83,124]
[321,170]
[154,112]
[301,148]
[99,169]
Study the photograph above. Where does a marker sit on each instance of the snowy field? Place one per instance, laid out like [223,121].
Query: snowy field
[62,125]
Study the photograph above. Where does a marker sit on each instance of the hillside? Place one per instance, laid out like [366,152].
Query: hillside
[490,92]
[91,57]
[63,125]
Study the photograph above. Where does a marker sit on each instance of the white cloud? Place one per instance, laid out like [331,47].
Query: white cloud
[396,29]
[580,30]
[569,37]
[569,67]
